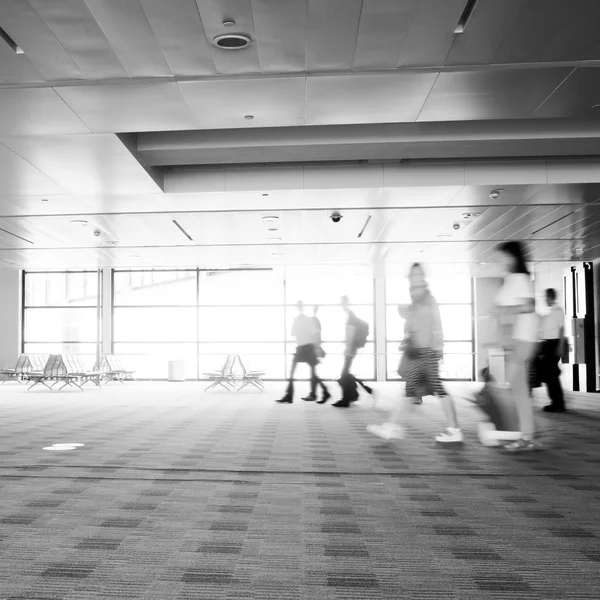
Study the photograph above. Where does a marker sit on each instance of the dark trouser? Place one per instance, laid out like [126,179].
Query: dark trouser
[550,372]
[315,380]
[348,381]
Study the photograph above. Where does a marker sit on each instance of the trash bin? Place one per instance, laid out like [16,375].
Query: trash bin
[176,370]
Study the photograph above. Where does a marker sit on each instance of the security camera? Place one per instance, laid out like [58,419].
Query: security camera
[97,232]
[336,217]
[456,226]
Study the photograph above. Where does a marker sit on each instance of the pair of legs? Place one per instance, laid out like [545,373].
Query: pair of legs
[305,354]
[551,375]
[517,376]
[423,370]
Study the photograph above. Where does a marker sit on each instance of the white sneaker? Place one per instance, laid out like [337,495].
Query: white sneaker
[450,435]
[387,431]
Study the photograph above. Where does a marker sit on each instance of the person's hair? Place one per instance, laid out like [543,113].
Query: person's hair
[551,293]
[416,266]
[516,250]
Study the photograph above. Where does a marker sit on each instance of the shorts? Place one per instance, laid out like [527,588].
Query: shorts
[306,354]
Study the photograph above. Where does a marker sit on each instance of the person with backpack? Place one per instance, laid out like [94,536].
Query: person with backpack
[307,335]
[423,347]
[357,332]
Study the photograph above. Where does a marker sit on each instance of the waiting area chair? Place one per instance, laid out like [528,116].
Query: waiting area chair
[113,369]
[249,377]
[225,377]
[54,371]
[79,373]
[19,373]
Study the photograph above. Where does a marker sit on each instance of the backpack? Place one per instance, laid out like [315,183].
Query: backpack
[361,334]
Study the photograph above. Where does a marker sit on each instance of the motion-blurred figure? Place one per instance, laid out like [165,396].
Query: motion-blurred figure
[305,332]
[356,335]
[423,347]
[515,312]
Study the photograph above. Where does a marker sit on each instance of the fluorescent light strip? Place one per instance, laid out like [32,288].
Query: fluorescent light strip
[10,42]
[187,235]
[466,15]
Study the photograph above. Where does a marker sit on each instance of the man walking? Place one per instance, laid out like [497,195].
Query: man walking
[356,334]
[552,336]
[305,332]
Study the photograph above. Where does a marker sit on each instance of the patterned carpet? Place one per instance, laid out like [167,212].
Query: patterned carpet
[182,494]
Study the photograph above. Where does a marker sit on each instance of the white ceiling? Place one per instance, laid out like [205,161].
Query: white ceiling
[123,113]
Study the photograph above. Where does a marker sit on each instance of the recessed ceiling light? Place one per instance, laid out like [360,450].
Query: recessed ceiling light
[232,41]
[265,194]
[81,222]
[273,229]
[249,117]
[596,106]
[270,218]
[444,236]
[44,199]
[112,243]
[471,215]
[228,23]
[275,239]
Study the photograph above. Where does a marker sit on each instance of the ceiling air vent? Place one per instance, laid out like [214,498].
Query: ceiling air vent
[232,41]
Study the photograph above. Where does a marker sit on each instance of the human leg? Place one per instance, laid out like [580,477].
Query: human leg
[517,376]
[288,397]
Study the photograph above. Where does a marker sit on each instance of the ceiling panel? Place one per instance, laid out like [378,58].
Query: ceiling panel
[576,96]
[84,164]
[36,111]
[213,13]
[332,31]
[366,98]
[80,35]
[20,178]
[41,47]
[431,33]
[180,33]
[501,94]
[15,68]
[384,26]
[123,108]
[125,26]
[281,31]
[224,104]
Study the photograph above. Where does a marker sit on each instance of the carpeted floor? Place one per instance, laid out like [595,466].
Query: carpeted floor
[181,494]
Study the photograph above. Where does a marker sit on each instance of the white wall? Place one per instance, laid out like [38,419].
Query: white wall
[9,317]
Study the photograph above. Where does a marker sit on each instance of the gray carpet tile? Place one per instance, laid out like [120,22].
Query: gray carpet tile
[183,494]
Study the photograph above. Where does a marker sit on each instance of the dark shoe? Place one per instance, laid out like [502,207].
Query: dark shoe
[341,404]
[552,408]
[285,400]
[326,396]
[417,401]
[309,398]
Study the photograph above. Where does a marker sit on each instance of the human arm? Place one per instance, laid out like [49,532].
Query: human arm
[436,328]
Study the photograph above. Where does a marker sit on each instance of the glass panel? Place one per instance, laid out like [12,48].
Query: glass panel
[448,284]
[325,286]
[151,361]
[150,324]
[241,323]
[145,288]
[456,322]
[86,352]
[221,288]
[333,321]
[61,289]
[60,325]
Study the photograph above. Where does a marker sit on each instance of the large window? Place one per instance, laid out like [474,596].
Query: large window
[60,313]
[451,287]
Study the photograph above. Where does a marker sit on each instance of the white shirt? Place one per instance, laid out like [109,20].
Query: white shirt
[518,289]
[552,323]
[304,330]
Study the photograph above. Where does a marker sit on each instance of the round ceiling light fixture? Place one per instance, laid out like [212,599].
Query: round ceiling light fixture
[249,117]
[228,23]
[270,218]
[444,236]
[81,222]
[275,239]
[232,41]
[471,215]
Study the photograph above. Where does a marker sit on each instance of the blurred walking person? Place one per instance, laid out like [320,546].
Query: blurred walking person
[551,350]
[514,308]
[423,348]
[305,332]
[356,335]
[320,354]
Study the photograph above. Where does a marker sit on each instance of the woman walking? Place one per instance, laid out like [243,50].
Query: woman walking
[423,347]
[514,308]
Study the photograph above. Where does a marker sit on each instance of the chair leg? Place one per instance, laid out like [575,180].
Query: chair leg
[212,385]
[258,384]
[244,384]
